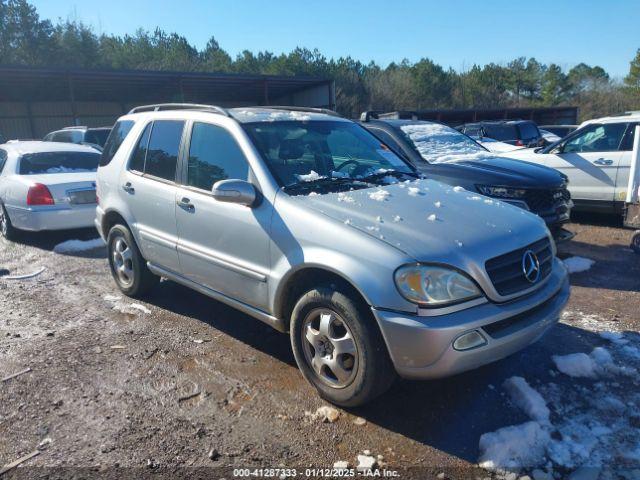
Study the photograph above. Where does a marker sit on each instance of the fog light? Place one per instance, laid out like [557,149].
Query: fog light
[469,340]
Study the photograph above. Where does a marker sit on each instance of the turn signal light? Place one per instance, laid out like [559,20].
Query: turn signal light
[39,194]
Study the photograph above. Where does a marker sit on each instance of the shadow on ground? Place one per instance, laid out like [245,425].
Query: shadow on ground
[48,240]
[449,414]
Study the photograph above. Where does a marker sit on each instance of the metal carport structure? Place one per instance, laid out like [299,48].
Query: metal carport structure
[35,101]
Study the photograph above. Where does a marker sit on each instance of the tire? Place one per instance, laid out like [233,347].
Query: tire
[345,379]
[128,267]
[635,242]
[7,230]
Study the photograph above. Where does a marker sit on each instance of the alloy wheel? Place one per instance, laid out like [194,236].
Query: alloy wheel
[122,257]
[329,348]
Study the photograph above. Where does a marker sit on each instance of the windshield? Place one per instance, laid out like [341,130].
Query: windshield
[97,137]
[438,143]
[299,153]
[58,162]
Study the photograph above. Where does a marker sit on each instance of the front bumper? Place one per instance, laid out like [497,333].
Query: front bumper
[422,347]
[52,217]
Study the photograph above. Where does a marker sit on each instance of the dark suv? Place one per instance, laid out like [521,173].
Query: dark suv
[89,136]
[522,133]
[444,154]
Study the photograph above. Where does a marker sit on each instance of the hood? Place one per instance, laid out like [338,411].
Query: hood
[433,222]
[501,171]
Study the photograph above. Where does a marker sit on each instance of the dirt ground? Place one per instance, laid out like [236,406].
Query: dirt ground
[191,387]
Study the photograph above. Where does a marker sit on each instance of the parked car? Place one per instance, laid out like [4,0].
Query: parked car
[549,137]
[596,158]
[495,146]
[521,133]
[46,186]
[559,130]
[444,154]
[83,135]
[309,223]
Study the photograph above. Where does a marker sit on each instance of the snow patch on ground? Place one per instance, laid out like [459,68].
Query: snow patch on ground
[119,305]
[71,246]
[578,264]
[527,398]
[585,423]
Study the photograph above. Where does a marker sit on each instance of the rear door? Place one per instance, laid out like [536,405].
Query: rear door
[223,246]
[624,165]
[149,187]
[590,159]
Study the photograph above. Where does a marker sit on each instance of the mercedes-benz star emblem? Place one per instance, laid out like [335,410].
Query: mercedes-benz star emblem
[530,266]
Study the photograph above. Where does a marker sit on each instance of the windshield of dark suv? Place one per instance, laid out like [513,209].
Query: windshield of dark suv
[331,155]
[438,143]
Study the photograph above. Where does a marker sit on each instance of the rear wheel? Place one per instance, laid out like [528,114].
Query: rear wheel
[7,230]
[339,348]
[128,267]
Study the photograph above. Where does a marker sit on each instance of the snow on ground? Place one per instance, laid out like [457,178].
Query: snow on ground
[71,246]
[578,264]
[585,422]
[119,305]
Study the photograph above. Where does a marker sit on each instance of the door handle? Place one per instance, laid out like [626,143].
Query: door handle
[127,187]
[185,203]
[603,161]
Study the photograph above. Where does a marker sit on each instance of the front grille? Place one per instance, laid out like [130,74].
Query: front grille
[506,272]
[545,200]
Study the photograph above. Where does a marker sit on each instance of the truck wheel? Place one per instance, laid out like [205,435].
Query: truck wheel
[128,267]
[7,230]
[339,348]
[635,242]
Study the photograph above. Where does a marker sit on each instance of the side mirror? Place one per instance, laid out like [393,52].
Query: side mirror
[234,191]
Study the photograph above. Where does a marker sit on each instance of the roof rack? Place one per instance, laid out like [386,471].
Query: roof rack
[369,115]
[74,127]
[158,107]
[326,111]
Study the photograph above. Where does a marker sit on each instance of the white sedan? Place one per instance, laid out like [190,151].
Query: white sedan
[46,186]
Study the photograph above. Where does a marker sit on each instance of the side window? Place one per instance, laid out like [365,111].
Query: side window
[164,145]
[3,159]
[140,152]
[213,156]
[606,137]
[627,141]
[116,137]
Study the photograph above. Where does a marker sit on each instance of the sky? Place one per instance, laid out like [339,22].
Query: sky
[455,34]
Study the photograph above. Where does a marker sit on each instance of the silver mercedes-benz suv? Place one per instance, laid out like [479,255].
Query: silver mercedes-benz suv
[306,221]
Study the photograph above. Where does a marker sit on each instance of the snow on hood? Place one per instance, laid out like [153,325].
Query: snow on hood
[428,220]
[440,144]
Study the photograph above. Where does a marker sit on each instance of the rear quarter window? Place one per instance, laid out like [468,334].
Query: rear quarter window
[3,159]
[118,133]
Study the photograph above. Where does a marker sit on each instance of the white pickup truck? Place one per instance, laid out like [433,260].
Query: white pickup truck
[596,158]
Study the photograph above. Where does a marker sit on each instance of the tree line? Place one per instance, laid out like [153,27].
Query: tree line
[28,40]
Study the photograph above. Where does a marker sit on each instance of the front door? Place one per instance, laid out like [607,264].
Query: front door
[150,188]
[223,246]
[590,159]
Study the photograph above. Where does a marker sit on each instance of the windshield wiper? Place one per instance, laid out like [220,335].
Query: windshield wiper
[324,182]
[388,173]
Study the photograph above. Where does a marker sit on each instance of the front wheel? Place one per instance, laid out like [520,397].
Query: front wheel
[339,348]
[128,267]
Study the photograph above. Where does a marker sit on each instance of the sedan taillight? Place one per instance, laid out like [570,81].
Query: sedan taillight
[39,194]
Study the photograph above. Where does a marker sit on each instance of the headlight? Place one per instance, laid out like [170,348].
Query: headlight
[501,192]
[434,286]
